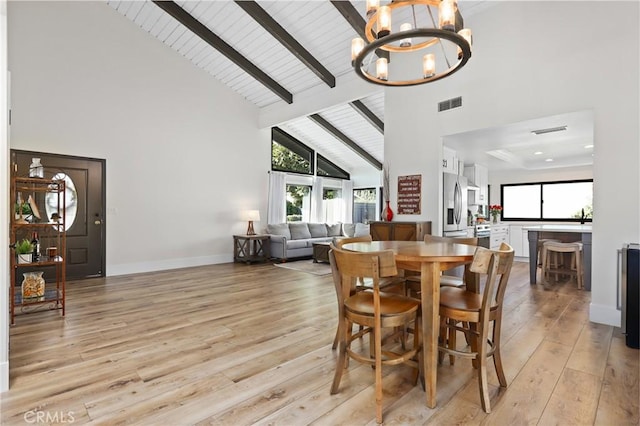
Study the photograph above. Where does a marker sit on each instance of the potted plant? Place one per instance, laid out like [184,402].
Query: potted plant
[24,251]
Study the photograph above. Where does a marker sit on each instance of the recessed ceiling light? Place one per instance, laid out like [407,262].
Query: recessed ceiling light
[548,160]
[588,146]
[538,153]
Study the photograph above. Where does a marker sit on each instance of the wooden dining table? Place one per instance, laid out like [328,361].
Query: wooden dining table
[429,259]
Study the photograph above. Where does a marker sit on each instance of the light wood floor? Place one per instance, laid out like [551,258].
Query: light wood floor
[235,344]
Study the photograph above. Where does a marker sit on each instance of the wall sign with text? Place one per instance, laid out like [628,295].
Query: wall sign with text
[409,190]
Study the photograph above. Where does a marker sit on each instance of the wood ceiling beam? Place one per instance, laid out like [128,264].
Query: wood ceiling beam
[346,140]
[254,10]
[349,12]
[368,115]
[220,45]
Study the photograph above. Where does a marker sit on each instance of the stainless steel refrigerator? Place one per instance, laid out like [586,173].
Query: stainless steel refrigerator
[454,205]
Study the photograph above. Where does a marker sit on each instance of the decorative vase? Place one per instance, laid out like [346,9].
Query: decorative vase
[32,286]
[495,218]
[36,169]
[387,213]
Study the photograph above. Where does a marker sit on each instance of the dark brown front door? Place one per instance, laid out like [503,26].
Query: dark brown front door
[86,234]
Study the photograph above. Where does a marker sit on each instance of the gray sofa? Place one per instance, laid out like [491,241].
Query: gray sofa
[295,239]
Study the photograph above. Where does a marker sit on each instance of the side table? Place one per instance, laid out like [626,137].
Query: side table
[321,252]
[251,248]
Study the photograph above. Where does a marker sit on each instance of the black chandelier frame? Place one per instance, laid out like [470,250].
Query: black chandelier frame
[385,43]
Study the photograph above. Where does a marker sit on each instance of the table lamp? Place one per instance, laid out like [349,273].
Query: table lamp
[251,215]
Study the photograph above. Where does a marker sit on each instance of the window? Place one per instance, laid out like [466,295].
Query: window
[569,201]
[327,169]
[332,205]
[289,154]
[299,161]
[298,203]
[71,201]
[364,205]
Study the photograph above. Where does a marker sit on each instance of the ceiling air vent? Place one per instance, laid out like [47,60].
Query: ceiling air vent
[450,103]
[549,130]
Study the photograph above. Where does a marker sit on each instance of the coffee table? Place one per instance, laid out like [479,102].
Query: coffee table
[321,252]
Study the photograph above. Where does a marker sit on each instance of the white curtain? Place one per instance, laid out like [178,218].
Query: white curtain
[317,215]
[277,209]
[347,200]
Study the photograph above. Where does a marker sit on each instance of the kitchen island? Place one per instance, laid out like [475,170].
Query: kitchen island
[564,233]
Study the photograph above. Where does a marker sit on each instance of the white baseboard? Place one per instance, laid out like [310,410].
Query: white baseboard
[604,314]
[4,377]
[163,265]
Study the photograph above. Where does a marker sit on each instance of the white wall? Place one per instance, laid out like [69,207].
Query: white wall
[184,154]
[4,199]
[535,59]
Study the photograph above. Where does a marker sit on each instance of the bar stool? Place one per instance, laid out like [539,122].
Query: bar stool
[552,261]
[541,242]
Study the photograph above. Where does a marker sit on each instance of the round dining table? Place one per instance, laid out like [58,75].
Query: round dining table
[429,259]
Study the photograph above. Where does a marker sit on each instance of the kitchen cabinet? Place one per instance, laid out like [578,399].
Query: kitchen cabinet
[450,161]
[525,243]
[499,235]
[479,176]
[518,240]
[399,231]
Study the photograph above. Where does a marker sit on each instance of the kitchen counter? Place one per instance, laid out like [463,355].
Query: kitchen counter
[566,233]
[558,228]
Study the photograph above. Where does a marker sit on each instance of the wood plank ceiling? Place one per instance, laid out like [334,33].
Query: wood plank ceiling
[269,51]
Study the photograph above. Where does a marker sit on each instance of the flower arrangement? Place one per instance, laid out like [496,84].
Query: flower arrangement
[495,210]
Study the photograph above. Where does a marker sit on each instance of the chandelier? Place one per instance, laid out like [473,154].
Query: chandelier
[428,33]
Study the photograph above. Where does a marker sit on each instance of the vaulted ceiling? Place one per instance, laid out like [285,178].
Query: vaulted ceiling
[270,52]
[274,53]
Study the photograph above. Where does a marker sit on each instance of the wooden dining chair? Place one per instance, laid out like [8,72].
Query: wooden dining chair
[413,280]
[339,242]
[459,307]
[375,311]
[386,282]
[392,284]
[412,284]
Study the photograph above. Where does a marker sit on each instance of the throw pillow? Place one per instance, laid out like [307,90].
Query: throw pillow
[318,230]
[279,229]
[348,229]
[299,231]
[334,230]
[361,230]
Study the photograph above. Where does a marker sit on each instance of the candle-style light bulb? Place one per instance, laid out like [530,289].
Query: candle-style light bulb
[466,34]
[405,42]
[428,65]
[357,44]
[372,7]
[447,15]
[384,21]
[382,71]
